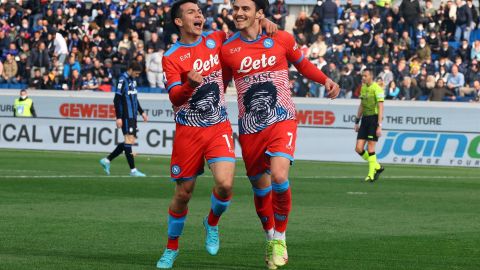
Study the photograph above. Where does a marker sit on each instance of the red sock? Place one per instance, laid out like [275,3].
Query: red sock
[282,202]
[172,243]
[263,205]
[220,205]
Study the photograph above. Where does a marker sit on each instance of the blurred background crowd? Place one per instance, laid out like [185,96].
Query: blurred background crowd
[417,50]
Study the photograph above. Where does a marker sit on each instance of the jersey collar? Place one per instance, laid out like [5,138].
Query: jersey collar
[192,44]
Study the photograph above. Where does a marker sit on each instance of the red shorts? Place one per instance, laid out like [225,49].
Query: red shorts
[277,140]
[192,145]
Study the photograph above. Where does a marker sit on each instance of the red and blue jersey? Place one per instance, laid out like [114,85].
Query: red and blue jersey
[260,72]
[206,104]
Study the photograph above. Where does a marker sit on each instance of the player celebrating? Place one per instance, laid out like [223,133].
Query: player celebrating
[196,89]
[267,115]
[126,108]
[370,111]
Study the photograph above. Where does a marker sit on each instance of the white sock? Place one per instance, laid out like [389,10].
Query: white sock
[133,170]
[269,234]
[279,235]
[106,160]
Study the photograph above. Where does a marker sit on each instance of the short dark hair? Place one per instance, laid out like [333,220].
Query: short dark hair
[369,70]
[260,4]
[175,11]
[135,66]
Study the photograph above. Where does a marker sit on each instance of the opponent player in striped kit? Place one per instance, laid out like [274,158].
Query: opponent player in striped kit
[196,89]
[267,125]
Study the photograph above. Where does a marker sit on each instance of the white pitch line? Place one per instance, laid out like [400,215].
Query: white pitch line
[208,176]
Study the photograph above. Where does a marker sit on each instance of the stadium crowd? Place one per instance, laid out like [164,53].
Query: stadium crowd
[417,51]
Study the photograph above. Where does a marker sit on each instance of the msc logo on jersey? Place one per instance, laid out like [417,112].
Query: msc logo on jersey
[268,43]
[211,43]
[176,170]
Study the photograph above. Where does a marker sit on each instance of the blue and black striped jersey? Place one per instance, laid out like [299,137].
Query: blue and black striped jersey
[126,101]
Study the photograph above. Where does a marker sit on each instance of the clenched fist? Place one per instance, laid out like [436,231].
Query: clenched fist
[194,78]
[332,89]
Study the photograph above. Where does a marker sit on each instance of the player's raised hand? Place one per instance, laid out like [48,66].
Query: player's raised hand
[119,123]
[194,78]
[270,27]
[332,89]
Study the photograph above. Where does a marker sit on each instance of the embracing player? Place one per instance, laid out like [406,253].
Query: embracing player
[267,123]
[196,89]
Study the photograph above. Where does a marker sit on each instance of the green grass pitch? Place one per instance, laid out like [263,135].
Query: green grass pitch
[59,211]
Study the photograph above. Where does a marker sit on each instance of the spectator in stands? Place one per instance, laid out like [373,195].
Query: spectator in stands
[10,70]
[446,51]
[39,58]
[440,92]
[36,80]
[463,21]
[386,75]
[278,13]
[475,51]
[410,13]
[226,18]
[455,80]
[392,91]
[47,83]
[473,73]
[71,65]
[90,82]
[328,14]
[319,46]
[61,49]
[434,43]
[12,49]
[476,91]
[303,24]
[154,68]
[423,51]
[346,83]
[410,90]
[155,42]
[74,82]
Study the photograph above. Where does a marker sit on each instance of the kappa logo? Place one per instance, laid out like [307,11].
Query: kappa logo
[211,43]
[268,43]
[176,170]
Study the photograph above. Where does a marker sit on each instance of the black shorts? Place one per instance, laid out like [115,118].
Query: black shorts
[129,127]
[368,128]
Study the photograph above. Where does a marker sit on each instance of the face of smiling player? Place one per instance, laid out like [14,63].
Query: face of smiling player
[245,14]
[191,21]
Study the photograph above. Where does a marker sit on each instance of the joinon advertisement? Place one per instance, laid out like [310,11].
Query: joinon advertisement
[430,148]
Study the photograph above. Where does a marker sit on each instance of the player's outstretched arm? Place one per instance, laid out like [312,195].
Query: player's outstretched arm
[305,67]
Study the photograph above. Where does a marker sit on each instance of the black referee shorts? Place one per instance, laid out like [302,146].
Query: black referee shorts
[368,128]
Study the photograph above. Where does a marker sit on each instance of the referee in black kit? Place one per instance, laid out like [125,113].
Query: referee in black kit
[126,108]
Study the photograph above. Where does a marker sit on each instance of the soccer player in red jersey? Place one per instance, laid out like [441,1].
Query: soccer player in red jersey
[267,123]
[196,89]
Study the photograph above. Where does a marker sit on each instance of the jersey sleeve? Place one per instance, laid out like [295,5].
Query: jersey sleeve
[173,76]
[294,54]
[221,36]
[379,93]
[177,92]
[121,86]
